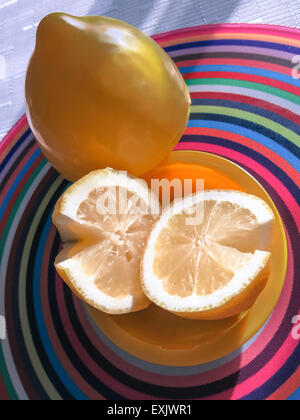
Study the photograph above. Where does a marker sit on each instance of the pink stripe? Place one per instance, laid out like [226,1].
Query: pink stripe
[14,132]
[259,169]
[273,30]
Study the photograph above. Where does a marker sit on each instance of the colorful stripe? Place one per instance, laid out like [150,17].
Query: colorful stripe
[245,107]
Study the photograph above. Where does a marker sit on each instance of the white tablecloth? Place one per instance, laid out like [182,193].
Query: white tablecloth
[19,19]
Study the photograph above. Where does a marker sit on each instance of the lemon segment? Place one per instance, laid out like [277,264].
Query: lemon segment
[104,239]
[215,267]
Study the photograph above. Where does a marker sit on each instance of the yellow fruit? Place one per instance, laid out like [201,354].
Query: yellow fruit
[101,93]
[213,265]
[104,240]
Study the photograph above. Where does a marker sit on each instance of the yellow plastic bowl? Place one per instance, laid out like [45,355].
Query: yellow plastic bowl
[156,336]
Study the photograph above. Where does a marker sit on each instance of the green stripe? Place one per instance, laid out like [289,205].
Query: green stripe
[4,372]
[249,116]
[245,84]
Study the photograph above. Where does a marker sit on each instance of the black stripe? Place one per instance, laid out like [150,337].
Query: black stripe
[239,55]
[237,42]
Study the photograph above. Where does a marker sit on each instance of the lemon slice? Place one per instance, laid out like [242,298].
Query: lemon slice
[104,239]
[213,265]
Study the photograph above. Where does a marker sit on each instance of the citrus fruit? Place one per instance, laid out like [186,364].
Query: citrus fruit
[104,220]
[206,257]
[100,93]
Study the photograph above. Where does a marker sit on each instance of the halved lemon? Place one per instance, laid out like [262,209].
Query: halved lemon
[207,257]
[104,220]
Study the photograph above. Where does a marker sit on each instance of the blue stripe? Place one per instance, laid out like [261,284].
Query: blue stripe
[295,396]
[273,116]
[58,367]
[18,179]
[273,141]
[242,43]
[242,69]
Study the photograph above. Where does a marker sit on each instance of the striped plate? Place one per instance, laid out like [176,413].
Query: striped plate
[245,107]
